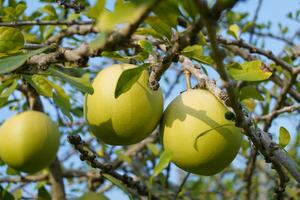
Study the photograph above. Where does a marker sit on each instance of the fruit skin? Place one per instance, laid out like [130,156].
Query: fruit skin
[190,114]
[29,141]
[127,119]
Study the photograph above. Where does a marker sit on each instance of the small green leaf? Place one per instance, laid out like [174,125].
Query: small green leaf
[11,63]
[284,137]
[62,100]
[168,12]
[159,26]
[196,52]
[153,148]
[82,83]
[125,12]
[163,162]
[11,39]
[118,183]
[9,90]
[49,10]
[234,30]
[250,92]
[249,71]
[41,84]
[96,10]
[147,46]
[149,31]
[43,194]
[189,7]
[20,8]
[5,195]
[127,79]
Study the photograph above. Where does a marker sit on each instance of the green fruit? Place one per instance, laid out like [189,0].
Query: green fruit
[194,128]
[29,141]
[127,119]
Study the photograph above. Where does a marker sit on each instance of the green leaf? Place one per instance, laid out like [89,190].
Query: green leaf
[168,12]
[9,90]
[41,84]
[43,194]
[250,92]
[118,183]
[92,196]
[284,137]
[196,52]
[124,13]
[20,8]
[11,39]
[234,30]
[49,10]
[249,71]
[159,26]
[153,148]
[189,7]
[98,42]
[82,83]
[11,63]
[5,195]
[147,46]
[96,10]
[149,31]
[163,162]
[62,100]
[127,79]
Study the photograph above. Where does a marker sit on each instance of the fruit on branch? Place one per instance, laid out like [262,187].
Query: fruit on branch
[29,141]
[194,128]
[128,118]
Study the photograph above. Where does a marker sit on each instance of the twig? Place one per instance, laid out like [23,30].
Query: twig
[44,23]
[181,186]
[87,155]
[275,113]
[255,19]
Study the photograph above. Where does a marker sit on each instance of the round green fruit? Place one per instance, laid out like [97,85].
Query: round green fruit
[195,130]
[29,141]
[128,118]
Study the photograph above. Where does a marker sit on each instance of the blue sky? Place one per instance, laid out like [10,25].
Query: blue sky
[272,10]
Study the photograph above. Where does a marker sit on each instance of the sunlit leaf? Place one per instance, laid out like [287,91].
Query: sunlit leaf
[11,39]
[249,71]
[284,137]
[163,162]
[234,30]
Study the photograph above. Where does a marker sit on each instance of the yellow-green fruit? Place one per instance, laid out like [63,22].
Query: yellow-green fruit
[128,118]
[194,128]
[29,141]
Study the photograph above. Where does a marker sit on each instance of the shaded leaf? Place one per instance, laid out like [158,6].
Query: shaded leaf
[250,92]
[196,52]
[284,137]
[127,79]
[168,12]
[43,194]
[159,26]
[9,90]
[93,196]
[5,195]
[11,63]
[249,71]
[83,83]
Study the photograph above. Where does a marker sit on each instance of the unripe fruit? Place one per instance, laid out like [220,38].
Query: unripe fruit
[29,141]
[194,128]
[127,119]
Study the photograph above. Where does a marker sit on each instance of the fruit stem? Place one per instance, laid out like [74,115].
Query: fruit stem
[187,75]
